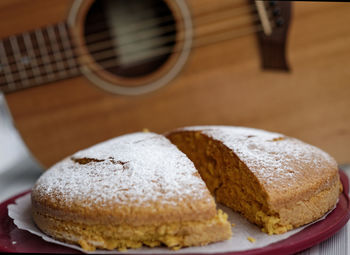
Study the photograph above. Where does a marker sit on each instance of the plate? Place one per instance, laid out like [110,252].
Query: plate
[13,239]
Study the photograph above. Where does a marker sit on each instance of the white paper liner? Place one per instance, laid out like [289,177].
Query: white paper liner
[20,212]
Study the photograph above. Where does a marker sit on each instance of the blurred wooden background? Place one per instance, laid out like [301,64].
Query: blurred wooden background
[221,84]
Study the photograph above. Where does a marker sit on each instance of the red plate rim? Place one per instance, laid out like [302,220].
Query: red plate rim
[304,239]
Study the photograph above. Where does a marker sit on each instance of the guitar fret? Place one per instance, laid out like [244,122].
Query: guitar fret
[44,55]
[2,76]
[33,61]
[2,71]
[36,57]
[57,55]
[67,47]
[19,65]
[6,68]
[30,79]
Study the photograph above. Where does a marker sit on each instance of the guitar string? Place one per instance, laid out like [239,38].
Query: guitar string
[144,34]
[111,53]
[167,50]
[98,46]
[99,55]
[232,6]
[157,52]
[152,22]
[33,53]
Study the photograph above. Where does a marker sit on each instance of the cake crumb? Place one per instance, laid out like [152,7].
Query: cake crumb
[176,248]
[145,130]
[232,224]
[251,239]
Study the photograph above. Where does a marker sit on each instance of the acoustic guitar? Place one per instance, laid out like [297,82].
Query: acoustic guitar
[78,72]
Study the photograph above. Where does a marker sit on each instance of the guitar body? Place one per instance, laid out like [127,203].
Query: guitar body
[221,83]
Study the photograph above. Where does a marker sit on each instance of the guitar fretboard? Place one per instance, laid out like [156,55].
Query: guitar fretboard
[37,57]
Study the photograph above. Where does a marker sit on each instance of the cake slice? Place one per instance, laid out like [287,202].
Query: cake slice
[276,182]
[134,190]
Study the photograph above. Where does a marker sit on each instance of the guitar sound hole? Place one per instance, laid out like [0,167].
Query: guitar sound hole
[130,38]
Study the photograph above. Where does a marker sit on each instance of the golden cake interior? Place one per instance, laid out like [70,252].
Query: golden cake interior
[228,179]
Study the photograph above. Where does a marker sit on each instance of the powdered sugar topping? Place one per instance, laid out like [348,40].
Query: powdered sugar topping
[272,157]
[137,168]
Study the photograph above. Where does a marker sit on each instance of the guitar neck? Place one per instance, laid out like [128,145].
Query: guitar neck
[37,57]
